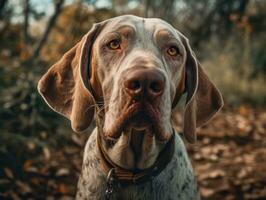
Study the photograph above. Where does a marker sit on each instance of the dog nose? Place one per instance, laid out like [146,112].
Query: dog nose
[144,81]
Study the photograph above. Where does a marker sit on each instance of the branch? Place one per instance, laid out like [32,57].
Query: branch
[51,23]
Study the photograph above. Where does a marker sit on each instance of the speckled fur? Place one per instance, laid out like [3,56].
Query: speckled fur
[175,182]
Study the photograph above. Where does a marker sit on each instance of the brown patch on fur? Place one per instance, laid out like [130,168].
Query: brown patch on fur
[94,79]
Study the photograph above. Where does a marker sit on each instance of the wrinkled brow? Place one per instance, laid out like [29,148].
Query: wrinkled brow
[164,34]
[124,29]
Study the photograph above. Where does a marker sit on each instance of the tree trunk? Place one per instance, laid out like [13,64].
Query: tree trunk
[146,7]
[50,24]
[2,6]
[166,9]
[26,21]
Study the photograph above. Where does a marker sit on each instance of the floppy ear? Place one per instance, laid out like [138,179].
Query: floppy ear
[203,98]
[65,87]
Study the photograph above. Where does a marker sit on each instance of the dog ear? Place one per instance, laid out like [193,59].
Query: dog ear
[203,98]
[65,87]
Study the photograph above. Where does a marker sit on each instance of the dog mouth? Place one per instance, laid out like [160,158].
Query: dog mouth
[140,115]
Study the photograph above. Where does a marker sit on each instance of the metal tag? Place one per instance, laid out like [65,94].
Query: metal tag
[110,184]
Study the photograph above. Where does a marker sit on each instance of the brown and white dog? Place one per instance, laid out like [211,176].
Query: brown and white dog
[129,73]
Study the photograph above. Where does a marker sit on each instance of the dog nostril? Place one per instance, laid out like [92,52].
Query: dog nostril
[156,87]
[143,82]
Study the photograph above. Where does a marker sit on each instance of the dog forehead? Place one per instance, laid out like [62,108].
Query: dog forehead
[149,25]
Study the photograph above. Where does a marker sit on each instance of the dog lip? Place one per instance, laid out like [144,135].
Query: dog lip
[139,106]
[142,115]
[138,114]
[140,128]
[134,106]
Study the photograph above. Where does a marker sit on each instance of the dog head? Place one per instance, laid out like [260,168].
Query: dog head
[135,70]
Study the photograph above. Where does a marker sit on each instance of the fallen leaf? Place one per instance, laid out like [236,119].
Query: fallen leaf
[47,154]
[27,164]
[23,187]
[9,173]
[62,172]
[62,188]
[206,192]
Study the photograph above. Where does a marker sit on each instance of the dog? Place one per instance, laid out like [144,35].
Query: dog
[129,73]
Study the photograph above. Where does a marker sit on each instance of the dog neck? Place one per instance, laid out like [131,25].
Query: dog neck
[136,176]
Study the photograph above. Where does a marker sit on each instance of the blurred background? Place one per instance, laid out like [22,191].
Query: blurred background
[40,157]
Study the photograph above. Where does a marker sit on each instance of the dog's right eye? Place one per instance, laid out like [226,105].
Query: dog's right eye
[114,44]
[173,51]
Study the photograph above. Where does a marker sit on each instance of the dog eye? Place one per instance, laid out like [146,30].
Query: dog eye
[173,51]
[114,44]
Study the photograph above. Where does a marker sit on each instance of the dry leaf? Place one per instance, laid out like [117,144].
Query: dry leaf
[46,152]
[27,164]
[62,172]
[9,173]
[206,192]
[24,187]
[62,188]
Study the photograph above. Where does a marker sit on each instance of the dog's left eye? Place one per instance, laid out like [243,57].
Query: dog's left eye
[114,44]
[173,51]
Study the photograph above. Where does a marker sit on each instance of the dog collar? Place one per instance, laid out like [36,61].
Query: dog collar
[127,177]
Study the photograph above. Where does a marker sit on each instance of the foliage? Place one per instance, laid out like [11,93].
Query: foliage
[72,24]
[23,110]
[233,69]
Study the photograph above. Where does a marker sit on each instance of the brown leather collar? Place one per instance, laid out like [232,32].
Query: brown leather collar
[125,176]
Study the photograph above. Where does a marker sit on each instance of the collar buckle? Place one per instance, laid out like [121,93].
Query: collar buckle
[110,184]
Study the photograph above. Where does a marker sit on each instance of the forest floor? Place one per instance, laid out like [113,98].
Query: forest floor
[229,159]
